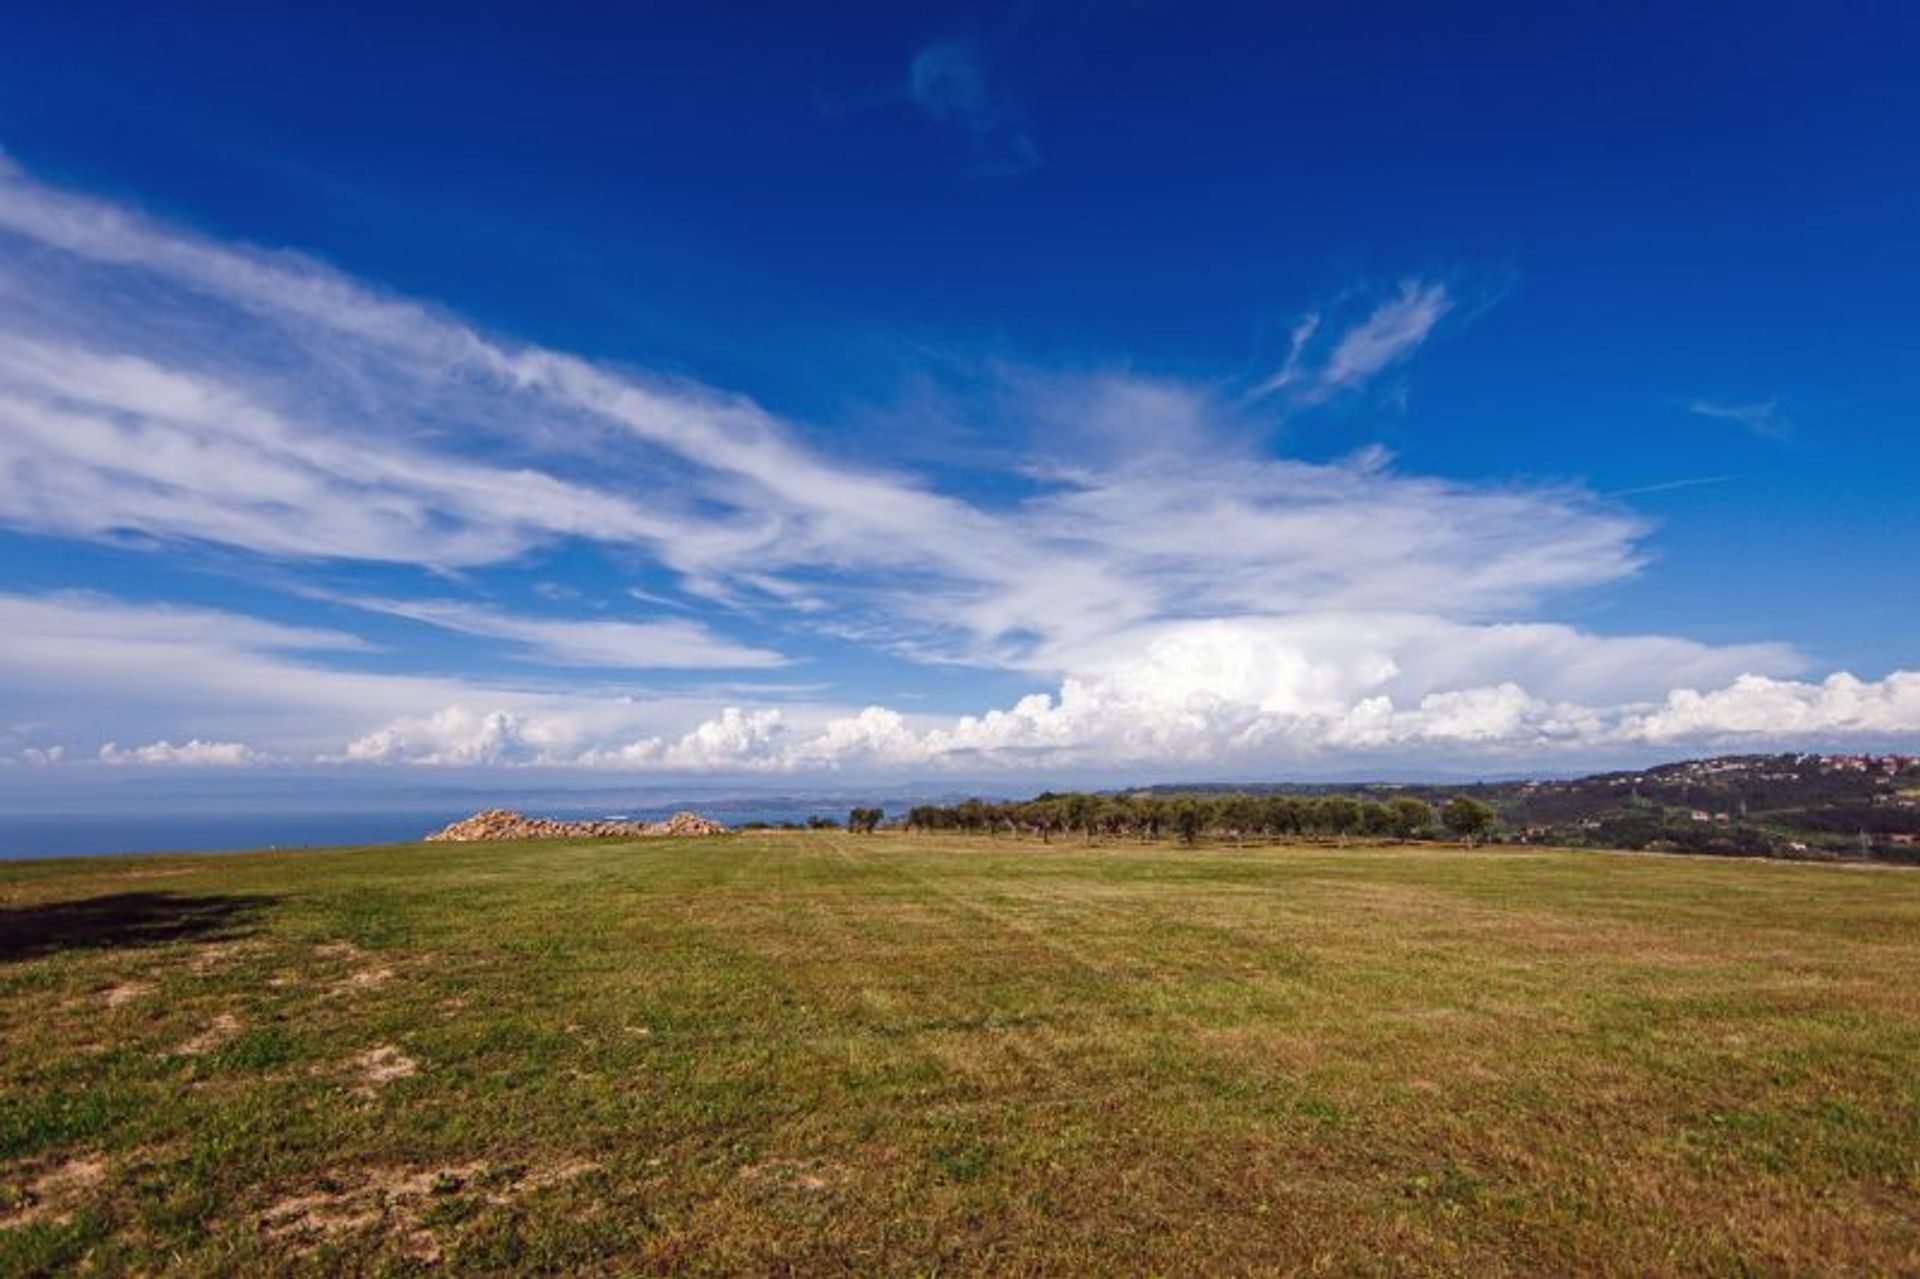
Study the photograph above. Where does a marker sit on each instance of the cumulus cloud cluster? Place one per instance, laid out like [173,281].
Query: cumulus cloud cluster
[1184,598]
[1755,706]
[1237,694]
[193,754]
[86,666]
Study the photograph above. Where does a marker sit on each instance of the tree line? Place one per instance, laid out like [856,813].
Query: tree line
[1193,817]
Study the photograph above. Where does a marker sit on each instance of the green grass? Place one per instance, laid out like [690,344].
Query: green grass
[818,1054]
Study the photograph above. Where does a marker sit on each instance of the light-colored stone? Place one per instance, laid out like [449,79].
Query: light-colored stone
[499,823]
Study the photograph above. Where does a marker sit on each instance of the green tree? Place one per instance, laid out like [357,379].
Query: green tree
[1283,815]
[1190,818]
[1043,816]
[1410,816]
[1149,817]
[1082,813]
[971,815]
[1467,818]
[1242,815]
[1338,815]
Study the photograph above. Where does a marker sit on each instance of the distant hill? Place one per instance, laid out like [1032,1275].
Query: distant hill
[1754,805]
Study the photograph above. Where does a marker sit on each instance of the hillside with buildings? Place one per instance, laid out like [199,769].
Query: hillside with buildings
[1788,805]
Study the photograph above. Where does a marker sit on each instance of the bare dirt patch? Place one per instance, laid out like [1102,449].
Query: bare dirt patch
[322,1214]
[209,959]
[396,1201]
[365,973]
[50,1192]
[809,1176]
[390,1196]
[362,979]
[380,1066]
[126,992]
[555,1174]
[216,1032]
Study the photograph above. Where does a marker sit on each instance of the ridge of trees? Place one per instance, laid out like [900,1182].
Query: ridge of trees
[1237,816]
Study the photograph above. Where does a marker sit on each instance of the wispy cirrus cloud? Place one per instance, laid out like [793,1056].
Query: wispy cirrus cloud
[269,404]
[950,82]
[106,441]
[1763,418]
[675,644]
[1184,597]
[1396,327]
[1672,486]
[82,669]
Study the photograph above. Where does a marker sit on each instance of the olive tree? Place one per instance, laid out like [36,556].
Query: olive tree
[1467,818]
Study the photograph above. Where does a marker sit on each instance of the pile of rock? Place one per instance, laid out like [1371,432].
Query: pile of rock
[499,823]
[686,824]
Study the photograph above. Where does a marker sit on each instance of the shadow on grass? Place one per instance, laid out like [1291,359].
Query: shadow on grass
[121,920]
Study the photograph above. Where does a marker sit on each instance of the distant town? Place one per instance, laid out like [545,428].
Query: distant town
[1859,806]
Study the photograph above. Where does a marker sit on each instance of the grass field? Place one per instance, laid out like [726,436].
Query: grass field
[819,1054]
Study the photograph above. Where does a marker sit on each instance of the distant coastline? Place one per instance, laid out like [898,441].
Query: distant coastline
[28,836]
[1854,806]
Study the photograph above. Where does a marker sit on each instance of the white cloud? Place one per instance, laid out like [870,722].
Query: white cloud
[453,735]
[876,736]
[97,667]
[192,754]
[1256,694]
[736,740]
[1188,598]
[266,403]
[71,624]
[1293,369]
[1764,418]
[1115,722]
[97,444]
[673,644]
[1241,694]
[1755,707]
[1395,328]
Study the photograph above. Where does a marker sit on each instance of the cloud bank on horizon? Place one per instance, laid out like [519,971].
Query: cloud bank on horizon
[408,501]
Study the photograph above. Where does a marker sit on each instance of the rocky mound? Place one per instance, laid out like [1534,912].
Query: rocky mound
[499,823]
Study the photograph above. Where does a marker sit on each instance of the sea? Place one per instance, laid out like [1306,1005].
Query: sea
[93,834]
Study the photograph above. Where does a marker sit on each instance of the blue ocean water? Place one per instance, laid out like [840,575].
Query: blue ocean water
[28,835]
[93,834]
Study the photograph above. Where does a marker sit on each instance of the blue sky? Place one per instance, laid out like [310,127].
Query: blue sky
[1075,391]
